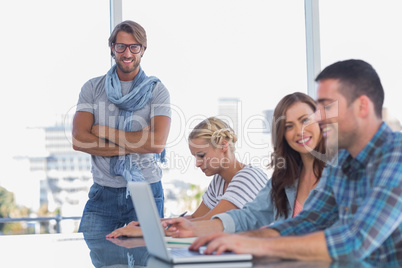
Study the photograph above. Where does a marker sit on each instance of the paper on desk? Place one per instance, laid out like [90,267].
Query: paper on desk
[182,241]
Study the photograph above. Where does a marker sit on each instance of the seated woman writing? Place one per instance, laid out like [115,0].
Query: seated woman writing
[212,142]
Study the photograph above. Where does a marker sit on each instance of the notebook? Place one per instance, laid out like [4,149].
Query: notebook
[185,242]
[154,235]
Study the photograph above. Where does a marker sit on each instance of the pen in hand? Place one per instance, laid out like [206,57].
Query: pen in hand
[181,215]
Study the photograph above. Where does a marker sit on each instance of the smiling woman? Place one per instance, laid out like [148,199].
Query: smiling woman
[302,131]
[296,135]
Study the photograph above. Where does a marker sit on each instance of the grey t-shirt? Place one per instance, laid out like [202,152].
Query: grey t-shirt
[93,99]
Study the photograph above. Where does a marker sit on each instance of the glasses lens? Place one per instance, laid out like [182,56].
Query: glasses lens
[135,48]
[120,47]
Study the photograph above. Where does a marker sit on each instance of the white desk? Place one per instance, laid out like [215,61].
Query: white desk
[75,251]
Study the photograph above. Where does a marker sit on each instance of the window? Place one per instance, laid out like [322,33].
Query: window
[206,51]
[366,30]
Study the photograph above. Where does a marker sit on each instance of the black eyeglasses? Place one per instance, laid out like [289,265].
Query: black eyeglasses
[134,48]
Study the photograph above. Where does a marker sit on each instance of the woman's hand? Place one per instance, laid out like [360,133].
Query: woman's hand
[180,227]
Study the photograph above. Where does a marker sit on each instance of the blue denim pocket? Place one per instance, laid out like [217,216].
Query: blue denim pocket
[95,192]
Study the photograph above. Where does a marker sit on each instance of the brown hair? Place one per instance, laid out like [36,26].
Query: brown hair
[287,175]
[130,27]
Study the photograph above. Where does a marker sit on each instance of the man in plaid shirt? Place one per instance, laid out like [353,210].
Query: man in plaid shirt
[358,214]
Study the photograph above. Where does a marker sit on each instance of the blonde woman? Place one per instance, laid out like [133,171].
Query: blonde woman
[212,142]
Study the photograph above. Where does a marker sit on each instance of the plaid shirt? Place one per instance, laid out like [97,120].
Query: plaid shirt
[360,207]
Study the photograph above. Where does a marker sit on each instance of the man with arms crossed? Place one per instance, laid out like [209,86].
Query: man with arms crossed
[123,121]
[362,192]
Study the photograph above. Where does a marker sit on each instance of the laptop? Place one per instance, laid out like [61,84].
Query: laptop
[157,263]
[154,235]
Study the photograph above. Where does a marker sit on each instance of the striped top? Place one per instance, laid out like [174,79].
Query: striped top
[243,188]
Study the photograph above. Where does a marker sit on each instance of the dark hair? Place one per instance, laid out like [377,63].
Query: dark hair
[356,78]
[284,176]
[130,27]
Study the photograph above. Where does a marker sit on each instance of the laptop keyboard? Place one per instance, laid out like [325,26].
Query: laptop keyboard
[181,252]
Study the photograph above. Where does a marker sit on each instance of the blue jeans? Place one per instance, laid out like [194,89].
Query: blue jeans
[108,208]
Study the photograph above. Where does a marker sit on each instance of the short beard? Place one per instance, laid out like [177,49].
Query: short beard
[124,70]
